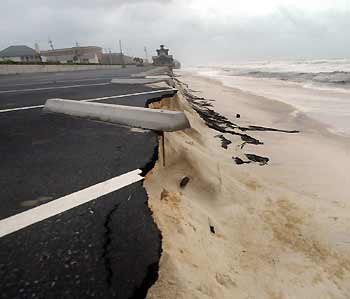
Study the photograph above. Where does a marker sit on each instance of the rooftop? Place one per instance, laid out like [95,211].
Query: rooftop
[17,51]
[73,50]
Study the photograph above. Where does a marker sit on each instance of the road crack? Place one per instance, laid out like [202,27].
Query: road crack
[106,247]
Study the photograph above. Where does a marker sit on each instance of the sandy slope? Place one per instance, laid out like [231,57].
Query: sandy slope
[281,230]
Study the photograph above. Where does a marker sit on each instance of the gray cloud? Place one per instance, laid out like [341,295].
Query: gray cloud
[285,33]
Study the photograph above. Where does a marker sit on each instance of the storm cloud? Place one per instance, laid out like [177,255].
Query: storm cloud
[197,32]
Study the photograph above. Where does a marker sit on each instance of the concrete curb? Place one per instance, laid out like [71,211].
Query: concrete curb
[164,77]
[137,80]
[160,70]
[153,119]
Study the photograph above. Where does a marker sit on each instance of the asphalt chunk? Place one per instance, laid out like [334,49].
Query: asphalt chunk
[259,159]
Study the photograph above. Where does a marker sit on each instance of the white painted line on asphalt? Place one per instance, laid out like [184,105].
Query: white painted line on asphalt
[14,223]
[21,108]
[95,99]
[53,87]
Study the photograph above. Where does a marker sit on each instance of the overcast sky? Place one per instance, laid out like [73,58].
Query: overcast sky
[196,31]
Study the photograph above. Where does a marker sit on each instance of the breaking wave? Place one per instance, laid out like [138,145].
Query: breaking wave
[317,73]
[341,78]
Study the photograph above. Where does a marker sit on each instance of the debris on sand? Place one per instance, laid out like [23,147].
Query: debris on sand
[259,128]
[211,226]
[249,139]
[255,158]
[224,141]
[222,124]
[212,229]
[184,181]
[239,161]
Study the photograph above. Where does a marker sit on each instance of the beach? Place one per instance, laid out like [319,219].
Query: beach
[265,211]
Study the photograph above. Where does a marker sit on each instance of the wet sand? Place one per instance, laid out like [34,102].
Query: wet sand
[253,230]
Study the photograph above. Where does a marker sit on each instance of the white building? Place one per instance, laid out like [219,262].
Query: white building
[88,54]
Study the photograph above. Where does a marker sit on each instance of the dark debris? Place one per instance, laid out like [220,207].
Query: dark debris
[255,158]
[224,141]
[184,181]
[239,161]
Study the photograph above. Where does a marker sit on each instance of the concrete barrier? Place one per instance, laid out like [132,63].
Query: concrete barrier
[137,80]
[158,77]
[154,71]
[8,69]
[153,119]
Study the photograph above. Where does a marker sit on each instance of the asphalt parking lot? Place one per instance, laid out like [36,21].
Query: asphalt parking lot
[106,248]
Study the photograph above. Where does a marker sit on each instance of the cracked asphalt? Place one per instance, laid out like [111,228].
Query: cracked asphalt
[106,248]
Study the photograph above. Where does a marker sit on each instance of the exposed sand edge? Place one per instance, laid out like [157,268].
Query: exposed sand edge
[271,240]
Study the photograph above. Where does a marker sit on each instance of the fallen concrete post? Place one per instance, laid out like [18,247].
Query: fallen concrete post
[154,71]
[138,80]
[146,118]
[165,77]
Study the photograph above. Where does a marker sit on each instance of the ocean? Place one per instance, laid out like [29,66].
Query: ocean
[318,88]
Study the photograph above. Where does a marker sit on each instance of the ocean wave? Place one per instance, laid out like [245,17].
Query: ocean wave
[334,78]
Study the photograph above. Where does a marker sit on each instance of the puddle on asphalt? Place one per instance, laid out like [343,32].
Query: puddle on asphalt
[139,130]
[36,202]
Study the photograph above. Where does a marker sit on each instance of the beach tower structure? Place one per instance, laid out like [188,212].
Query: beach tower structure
[162,51]
[163,58]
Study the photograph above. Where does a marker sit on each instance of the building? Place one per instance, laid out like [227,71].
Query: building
[163,58]
[19,53]
[177,64]
[116,58]
[89,54]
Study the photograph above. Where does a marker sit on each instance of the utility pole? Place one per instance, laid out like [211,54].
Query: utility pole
[121,54]
[110,56]
[52,48]
[77,54]
[146,55]
[51,44]
[37,51]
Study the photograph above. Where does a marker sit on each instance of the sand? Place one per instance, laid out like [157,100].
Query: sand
[281,230]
